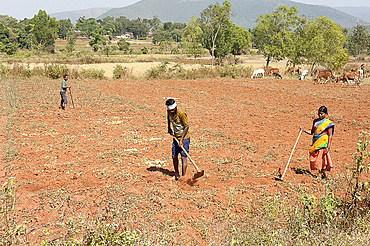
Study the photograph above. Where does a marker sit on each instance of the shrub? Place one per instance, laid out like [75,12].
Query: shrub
[120,72]
[93,73]
[55,71]
[74,73]
[10,228]
[4,70]
[144,50]
[123,45]
[235,71]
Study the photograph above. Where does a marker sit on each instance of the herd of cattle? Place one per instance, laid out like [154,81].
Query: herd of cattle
[321,74]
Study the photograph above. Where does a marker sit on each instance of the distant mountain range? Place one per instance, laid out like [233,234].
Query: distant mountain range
[74,15]
[363,13]
[244,12]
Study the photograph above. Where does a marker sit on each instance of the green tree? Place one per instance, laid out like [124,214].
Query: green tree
[12,25]
[71,41]
[193,38]
[323,43]
[121,26]
[139,28]
[161,35]
[65,27]
[5,43]
[272,35]
[44,29]
[87,27]
[100,42]
[108,24]
[214,20]
[238,39]
[295,53]
[25,39]
[358,41]
[123,45]
[168,32]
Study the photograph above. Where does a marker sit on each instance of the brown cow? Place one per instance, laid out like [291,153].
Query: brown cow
[347,76]
[326,74]
[273,71]
[317,69]
[267,69]
[292,70]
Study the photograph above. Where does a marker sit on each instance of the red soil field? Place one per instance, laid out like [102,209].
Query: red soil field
[242,131]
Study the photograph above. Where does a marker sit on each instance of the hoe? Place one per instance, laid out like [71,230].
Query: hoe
[199,172]
[281,177]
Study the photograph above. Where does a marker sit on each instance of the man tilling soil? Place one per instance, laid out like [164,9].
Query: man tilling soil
[179,121]
[63,91]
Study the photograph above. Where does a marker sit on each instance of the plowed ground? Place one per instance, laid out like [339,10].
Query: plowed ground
[113,147]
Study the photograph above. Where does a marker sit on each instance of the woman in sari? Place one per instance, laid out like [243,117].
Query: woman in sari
[322,131]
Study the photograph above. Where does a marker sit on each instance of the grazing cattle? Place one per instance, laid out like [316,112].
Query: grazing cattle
[326,74]
[267,69]
[277,75]
[303,74]
[274,71]
[363,69]
[258,71]
[317,69]
[292,70]
[349,76]
[361,73]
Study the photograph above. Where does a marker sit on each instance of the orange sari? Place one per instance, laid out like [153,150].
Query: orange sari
[318,160]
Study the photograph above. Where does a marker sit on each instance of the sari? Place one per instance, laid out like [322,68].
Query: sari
[319,144]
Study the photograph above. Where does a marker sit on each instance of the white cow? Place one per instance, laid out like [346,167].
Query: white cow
[303,74]
[361,73]
[258,71]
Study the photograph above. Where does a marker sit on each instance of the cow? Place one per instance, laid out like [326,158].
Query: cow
[258,71]
[267,69]
[277,75]
[325,74]
[273,71]
[317,69]
[349,76]
[303,74]
[363,70]
[292,70]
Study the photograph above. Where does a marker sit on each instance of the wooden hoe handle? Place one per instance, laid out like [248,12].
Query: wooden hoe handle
[187,154]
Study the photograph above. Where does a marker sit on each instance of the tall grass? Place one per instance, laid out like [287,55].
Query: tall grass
[163,71]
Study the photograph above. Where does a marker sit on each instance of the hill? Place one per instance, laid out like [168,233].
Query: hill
[362,13]
[74,15]
[245,11]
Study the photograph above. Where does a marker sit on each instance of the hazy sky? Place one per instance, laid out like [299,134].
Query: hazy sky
[21,9]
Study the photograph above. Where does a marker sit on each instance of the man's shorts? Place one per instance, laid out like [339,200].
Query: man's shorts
[177,150]
[64,97]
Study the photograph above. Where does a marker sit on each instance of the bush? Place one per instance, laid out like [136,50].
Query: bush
[93,73]
[144,50]
[235,71]
[55,71]
[120,72]
[10,228]
[123,45]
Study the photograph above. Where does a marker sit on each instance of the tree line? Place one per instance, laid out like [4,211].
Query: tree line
[278,35]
